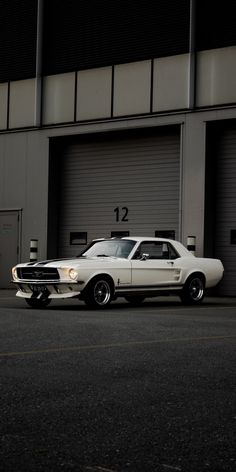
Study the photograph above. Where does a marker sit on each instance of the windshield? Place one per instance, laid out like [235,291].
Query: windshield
[110,248]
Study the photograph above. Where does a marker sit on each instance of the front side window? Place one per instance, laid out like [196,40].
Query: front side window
[156,250]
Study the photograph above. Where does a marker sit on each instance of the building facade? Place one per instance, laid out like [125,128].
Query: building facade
[117,118]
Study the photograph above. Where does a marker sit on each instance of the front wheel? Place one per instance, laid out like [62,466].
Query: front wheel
[193,291]
[99,293]
[38,302]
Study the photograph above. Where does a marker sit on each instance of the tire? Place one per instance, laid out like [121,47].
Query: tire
[135,300]
[194,290]
[99,293]
[38,302]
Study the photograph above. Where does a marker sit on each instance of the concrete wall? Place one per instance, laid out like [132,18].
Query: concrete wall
[107,92]
[158,86]
[24,174]
[24,184]
[142,94]
[193,179]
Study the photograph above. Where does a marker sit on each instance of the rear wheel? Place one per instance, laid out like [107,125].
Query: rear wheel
[99,293]
[38,302]
[194,290]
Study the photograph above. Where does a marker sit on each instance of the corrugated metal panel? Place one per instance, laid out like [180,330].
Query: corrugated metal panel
[124,179]
[81,34]
[226,208]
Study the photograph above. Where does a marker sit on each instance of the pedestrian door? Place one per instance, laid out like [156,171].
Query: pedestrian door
[9,245]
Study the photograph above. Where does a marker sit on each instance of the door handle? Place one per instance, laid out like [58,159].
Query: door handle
[170,262]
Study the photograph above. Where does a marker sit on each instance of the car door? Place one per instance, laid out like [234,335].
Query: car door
[155,264]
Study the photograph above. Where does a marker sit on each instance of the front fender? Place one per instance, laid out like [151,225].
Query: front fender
[97,274]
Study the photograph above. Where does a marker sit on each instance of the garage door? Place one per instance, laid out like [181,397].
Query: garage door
[225,247]
[120,186]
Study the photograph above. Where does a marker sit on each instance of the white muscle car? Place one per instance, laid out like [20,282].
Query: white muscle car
[130,267]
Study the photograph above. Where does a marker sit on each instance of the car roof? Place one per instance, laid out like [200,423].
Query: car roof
[145,238]
[135,238]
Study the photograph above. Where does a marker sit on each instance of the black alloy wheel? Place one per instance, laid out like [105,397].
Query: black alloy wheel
[194,290]
[99,293]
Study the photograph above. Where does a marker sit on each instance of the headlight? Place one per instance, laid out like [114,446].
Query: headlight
[73,274]
[14,273]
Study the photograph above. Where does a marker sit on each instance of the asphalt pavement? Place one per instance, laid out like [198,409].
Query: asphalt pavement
[147,389]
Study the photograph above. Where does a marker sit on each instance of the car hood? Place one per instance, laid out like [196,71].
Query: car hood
[75,262]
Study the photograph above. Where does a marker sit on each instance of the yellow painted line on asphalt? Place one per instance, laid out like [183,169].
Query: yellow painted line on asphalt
[90,347]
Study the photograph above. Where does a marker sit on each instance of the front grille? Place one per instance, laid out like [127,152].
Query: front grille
[38,273]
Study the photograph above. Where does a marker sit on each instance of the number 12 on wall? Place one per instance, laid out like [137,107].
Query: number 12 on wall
[121,214]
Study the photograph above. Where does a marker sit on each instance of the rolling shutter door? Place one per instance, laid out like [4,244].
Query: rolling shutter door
[126,184]
[225,245]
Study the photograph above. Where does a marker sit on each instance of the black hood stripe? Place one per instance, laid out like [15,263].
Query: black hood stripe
[44,263]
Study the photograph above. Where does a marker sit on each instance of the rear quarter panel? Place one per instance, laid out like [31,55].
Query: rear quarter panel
[212,269]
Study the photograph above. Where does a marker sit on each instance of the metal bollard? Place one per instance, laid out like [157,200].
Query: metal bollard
[33,250]
[191,244]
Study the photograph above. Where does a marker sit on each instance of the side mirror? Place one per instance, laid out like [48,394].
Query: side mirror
[144,257]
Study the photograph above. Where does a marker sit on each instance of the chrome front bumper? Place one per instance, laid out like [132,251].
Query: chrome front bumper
[51,290]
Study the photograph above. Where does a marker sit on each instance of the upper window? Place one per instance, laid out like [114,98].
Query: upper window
[215,25]
[83,34]
[18,30]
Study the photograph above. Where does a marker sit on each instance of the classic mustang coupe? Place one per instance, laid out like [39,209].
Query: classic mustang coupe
[130,267]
